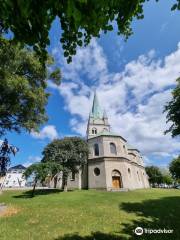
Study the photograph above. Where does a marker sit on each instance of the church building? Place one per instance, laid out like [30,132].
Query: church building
[112,164]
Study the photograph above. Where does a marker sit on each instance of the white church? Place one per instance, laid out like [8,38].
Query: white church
[112,164]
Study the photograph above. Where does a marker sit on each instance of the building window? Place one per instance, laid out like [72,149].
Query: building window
[129,171]
[113,148]
[124,148]
[96,149]
[96,171]
[105,129]
[94,131]
[138,176]
[9,176]
[73,175]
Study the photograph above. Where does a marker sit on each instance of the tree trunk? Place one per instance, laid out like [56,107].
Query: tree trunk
[34,187]
[64,182]
[55,181]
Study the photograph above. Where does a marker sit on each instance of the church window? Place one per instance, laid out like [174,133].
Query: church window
[105,129]
[138,176]
[129,171]
[124,148]
[96,171]
[73,175]
[94,131]
[96,149]
[113,148]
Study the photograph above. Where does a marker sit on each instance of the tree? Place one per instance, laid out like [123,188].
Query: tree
[40,171]
[30,21]
[166,176]
[173,111]
[23,82]
[5,151]
[155,175]
[70,152]
[167,179]
[174,168]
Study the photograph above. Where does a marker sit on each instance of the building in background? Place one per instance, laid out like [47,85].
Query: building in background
[14,177]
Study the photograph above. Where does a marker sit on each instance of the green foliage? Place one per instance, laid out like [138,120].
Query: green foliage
[173,111]
[5,151]
[23,82]
[40,171]
[167,179]
[155,175]
[70,152]
[174,168]
[30,21]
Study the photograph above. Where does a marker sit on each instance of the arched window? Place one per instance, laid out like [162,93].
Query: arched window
[113,148]
[73,175]
[129,172]
[124,148]
[94,131]
[96,149]
[105,130]
[138,176]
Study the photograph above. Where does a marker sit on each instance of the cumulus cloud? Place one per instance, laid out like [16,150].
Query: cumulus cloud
[31,160]
[133,98]
[48,132]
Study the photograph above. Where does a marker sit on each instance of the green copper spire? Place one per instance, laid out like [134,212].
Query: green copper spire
[96,111]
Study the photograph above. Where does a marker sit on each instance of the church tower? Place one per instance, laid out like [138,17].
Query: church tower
[98,120]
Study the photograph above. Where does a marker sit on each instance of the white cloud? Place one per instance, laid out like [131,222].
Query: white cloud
[133,98]
[48,132]
[31,160]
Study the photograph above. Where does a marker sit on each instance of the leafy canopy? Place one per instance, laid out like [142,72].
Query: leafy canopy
[174,168]
[30,21]
[70,152]
[173,111]
[23,82]
[5,151]
[154,173]
[41,170]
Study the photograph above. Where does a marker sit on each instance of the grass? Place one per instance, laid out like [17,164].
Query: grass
[85,215]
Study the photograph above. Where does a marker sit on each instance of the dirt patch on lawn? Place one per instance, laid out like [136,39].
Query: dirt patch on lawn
[7,211]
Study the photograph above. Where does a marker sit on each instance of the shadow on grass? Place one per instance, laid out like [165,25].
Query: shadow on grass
[28,194]
[161,213]
[93,236]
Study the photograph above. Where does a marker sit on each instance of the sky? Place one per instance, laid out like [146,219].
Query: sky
[133,80]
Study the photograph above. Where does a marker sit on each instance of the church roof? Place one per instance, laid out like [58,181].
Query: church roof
[17,167]
[106,133]
[130,147]
[96,111]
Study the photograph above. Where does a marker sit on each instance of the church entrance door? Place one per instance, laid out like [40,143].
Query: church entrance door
[116,182]
[116,179]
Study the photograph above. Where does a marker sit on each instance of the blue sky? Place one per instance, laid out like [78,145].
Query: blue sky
[133,80]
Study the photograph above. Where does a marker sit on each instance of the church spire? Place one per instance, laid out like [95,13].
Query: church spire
[96,111]
[98,120]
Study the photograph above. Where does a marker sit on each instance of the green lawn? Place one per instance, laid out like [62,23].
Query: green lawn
[86,215]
